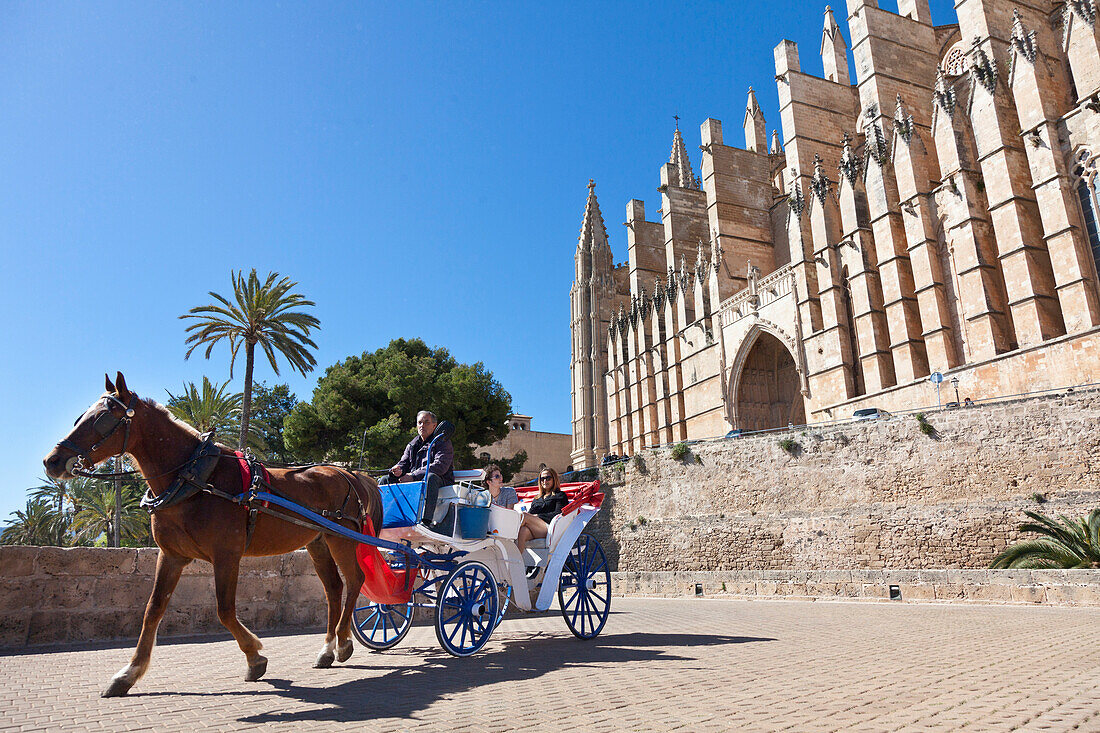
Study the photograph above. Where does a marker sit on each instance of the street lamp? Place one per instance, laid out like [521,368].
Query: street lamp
[955,384]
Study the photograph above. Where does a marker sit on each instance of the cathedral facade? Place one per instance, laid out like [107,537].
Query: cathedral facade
[935,211]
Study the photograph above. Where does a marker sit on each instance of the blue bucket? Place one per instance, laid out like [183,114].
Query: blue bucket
[473,522]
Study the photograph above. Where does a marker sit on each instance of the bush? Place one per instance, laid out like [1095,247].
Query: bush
[790,445]
[925,427]
[680,451]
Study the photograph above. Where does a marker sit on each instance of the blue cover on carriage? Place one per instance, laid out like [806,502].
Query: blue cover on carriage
[401,503]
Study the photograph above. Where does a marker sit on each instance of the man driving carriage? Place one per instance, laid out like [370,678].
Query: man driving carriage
[414,465]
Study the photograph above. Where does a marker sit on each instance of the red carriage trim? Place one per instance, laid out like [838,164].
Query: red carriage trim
[381,583]
[580,494]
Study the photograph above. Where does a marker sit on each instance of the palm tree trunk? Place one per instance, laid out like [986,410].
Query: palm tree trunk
[246,399]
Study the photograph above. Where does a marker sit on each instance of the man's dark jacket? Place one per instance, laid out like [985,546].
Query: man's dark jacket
[414,461]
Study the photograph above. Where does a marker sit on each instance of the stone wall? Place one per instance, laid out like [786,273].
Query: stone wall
[1047,587]
[875,494]
[50,594]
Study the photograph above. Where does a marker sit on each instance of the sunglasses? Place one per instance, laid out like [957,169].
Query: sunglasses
[546,478]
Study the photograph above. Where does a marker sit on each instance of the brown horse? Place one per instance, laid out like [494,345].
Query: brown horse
[214,529]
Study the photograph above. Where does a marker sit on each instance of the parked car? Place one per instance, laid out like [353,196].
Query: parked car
[736,433]
[869,413]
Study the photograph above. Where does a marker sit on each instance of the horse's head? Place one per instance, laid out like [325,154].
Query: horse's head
[103,431]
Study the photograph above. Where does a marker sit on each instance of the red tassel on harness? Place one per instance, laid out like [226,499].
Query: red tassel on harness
[382,584]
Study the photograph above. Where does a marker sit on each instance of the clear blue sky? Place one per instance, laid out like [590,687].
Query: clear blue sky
[419,169]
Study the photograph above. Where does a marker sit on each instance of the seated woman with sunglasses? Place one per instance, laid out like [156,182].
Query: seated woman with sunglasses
[503,496]
[547,505]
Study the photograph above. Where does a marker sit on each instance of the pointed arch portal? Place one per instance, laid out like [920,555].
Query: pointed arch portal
[767,389]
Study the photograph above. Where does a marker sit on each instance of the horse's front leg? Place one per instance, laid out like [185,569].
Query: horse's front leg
[226,570]
[169,567]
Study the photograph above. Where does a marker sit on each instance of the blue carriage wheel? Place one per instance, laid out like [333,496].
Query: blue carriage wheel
[505,601]
[466,609]
[584,591]
[379,626]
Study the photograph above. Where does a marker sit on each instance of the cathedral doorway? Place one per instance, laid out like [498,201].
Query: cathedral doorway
[769,394]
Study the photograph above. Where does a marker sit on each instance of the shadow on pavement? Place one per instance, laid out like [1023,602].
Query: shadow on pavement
[402,692]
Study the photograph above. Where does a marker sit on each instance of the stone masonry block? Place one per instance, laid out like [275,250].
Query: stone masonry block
[13,628]
[17,561]
[85,561]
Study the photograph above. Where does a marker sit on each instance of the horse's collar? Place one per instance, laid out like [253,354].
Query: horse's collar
[191,478]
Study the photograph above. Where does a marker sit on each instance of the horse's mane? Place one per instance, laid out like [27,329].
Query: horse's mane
[150,402]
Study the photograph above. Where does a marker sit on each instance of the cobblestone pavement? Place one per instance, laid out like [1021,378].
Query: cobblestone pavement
[659,665]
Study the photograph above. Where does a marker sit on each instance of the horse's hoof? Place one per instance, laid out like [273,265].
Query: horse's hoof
[256,670]
[119,686]
[324,660]
[343,652]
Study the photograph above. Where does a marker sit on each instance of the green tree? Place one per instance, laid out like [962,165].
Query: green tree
[270,406]
[266,314]
[378,395]
[94,512]
[34,525]
[56,493]
[509,467]
[214,408]
[1069,543]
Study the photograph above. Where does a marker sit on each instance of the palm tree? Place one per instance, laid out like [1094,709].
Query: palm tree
[263,313]
[56,494]
[95,512]
[213,408]
[35,525]
[1069,543]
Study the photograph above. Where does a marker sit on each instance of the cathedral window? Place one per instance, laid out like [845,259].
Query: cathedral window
[1085,171]
[954,61]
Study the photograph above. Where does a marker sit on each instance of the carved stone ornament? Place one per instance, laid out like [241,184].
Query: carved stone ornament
[658,294]
[1023,41]
[819,184]
[849,162]
[717,249]
[1084,9]
[702,265]
[683,277]
[943,95]
[634,311]
[876,144]
[611,330]
[670,287]
[903,123]
[983,69]
[795,200]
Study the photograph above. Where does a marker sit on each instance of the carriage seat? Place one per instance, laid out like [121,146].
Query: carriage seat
[579,495]
[455,494]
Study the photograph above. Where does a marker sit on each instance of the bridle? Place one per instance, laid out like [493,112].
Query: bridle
[105,425]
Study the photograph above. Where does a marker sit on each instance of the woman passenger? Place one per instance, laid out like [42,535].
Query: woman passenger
[504,496]
[547,505]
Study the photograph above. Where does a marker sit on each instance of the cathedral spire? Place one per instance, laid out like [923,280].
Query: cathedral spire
[593,231]
[685,178]
[756,136]
[834,51]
